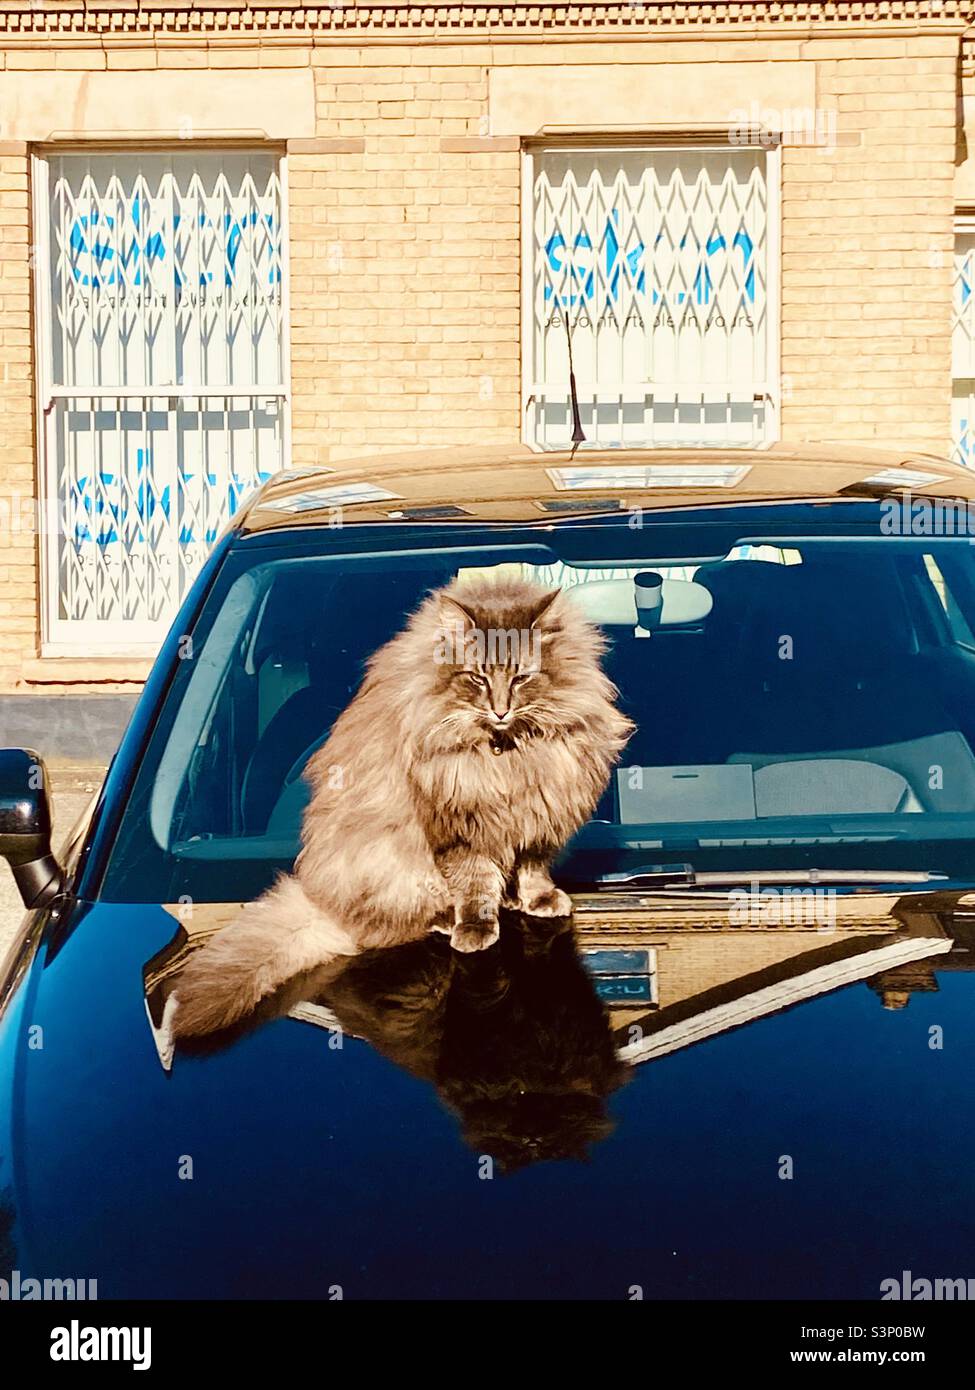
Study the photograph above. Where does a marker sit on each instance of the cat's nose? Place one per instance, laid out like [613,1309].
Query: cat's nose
[500,715]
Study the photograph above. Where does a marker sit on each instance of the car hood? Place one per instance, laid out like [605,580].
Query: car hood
[655,1101]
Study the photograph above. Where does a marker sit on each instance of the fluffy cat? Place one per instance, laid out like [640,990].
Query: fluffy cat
[481,739]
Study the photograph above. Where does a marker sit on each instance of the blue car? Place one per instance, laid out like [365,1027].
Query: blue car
[742,1070]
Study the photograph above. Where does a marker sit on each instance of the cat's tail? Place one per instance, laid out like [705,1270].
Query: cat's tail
[278,936]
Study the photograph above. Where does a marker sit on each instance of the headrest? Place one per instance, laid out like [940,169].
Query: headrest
[732,583]
[840,613]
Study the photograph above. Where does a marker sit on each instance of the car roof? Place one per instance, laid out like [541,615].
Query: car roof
[517,484]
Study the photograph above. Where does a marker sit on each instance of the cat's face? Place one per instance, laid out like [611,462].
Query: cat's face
[496,695]
[496,669]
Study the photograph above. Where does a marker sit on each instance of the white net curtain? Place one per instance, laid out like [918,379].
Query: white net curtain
[166,374]
[657,262]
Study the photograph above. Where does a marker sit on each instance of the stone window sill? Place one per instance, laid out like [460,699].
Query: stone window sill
[88,670]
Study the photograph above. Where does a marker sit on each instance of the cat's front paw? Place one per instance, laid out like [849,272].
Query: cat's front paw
[550,902]
[439,893]
[474,936]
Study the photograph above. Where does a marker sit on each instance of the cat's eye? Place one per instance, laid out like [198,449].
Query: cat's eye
[521,677]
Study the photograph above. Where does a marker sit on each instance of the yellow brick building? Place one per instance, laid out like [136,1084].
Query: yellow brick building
[240,237]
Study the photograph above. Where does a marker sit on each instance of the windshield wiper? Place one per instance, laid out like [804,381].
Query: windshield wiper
[685,875]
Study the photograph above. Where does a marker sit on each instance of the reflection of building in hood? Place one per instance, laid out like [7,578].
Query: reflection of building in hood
[712,978]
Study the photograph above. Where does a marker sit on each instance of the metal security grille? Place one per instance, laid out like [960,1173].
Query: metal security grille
[963,348]
[657,262]
[163,392]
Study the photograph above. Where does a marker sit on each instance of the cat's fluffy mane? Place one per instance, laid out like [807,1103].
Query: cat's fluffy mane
[409,794]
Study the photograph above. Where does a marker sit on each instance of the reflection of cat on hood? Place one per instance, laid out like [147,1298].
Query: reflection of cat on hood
[514,1039]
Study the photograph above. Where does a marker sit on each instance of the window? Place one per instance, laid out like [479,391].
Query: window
[789,704]
[162,375]
[963,345]
[955,622]
[656,268]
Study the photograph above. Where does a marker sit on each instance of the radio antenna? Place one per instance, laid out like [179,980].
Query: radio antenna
[578,433]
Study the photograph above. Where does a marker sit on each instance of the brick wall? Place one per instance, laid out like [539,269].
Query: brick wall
[18,479]
[405,251]
[691,963]
[405,260]
[867,241]
[431,349]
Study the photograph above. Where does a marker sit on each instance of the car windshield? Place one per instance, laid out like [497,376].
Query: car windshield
[806,698]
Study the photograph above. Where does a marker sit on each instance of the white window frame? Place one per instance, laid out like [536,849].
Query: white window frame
[772,387]
[652,974]
[964,225]
[119,638]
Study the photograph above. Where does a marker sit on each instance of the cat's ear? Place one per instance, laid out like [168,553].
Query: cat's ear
[543,607]
[453,612]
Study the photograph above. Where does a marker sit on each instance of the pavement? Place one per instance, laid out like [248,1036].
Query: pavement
[73,786]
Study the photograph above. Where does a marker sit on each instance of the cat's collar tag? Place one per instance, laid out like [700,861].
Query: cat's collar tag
[500,741]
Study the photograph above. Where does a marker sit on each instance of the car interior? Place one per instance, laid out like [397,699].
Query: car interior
[827,680]
[820,688]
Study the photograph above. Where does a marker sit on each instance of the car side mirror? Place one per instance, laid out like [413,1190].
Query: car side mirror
[25,826]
